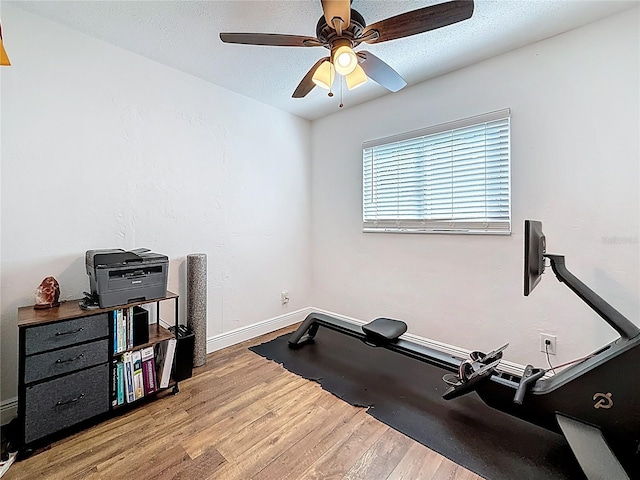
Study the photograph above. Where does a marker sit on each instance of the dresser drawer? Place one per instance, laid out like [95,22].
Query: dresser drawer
[69,332]
[65,360]
[66,401]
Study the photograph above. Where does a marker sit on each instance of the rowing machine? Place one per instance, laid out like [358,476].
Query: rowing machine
[593,402]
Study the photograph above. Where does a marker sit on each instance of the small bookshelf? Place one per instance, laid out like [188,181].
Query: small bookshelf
[68,364]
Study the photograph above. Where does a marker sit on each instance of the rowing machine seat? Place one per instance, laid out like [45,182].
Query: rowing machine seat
[384,330]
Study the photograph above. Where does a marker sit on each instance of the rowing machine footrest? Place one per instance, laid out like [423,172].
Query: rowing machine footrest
[384,330]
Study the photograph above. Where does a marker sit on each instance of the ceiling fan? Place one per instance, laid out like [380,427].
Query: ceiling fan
[341,29]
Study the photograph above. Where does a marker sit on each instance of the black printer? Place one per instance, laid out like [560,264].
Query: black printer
[118,277]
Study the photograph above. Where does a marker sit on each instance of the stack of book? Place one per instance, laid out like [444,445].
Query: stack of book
[122,329]
[142,372]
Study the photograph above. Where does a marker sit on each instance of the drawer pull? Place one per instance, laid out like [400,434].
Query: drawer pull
[70,359]
[73,400]
[58,334]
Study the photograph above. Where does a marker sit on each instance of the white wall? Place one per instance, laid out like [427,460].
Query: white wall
[575,166]
[102,148]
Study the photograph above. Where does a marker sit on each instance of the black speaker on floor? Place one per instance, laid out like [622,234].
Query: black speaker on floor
[184,353]
[140,326]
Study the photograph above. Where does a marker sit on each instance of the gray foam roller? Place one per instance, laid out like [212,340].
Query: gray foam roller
[197,305]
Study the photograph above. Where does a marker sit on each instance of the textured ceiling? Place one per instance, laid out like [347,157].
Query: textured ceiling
[185,35]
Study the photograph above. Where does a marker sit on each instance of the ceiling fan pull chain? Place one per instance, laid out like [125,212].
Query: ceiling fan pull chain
[332,77]
[341,104]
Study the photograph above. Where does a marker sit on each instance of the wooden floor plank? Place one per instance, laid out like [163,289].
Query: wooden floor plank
[268,448]
[416,464]
[288,412]
[380,460]
[342,455]
[447,470]
[294,457]
[240,417]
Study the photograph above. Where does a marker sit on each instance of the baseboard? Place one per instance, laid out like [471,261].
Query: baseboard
[8,410]
[242,334]
[506,366]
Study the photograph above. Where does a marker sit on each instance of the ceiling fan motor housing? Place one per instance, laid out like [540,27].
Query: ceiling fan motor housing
[327,34]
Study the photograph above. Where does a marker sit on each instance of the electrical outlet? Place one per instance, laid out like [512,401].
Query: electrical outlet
[548,343]
[284,297]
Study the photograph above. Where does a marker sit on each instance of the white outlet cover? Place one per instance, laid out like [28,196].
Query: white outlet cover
[551,348]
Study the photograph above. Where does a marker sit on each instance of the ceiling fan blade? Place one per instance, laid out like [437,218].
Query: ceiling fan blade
[306,84]
[337,8]
[380,72]
[270,39]
[419,21]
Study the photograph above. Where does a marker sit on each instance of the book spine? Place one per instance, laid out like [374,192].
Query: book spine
[115,332]
[114,384]
[128,367]
[125,316]
[130,333]
[122,339]
[148,370]
[159,350]
[153,381]
[168,362]
[120,371]
[138,383]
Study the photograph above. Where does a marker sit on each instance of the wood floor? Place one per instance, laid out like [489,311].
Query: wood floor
[240,417]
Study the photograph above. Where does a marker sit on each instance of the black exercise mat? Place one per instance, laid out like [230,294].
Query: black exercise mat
[407,395]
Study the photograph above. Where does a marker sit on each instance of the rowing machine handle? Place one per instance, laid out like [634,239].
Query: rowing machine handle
[529,377]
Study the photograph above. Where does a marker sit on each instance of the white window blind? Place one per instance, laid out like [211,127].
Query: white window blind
[451,178]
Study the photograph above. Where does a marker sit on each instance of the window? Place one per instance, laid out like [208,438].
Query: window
[451,178]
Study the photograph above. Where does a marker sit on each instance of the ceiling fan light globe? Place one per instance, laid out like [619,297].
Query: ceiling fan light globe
[356,78]
[324,75]
[345,60]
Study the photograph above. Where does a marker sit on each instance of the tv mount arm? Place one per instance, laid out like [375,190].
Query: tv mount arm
[619,322]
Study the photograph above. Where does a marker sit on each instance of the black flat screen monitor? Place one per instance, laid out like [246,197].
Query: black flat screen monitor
[534,251]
